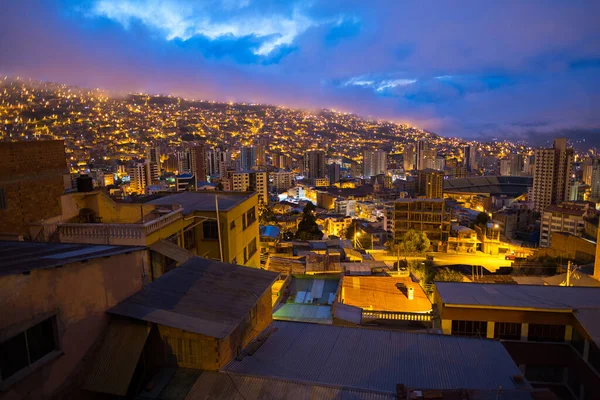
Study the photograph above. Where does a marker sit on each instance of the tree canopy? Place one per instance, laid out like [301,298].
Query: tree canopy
[266,216]
[482,219]
[414,242]
[308,228]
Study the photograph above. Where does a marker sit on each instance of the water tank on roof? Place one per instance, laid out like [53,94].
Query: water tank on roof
[85,184]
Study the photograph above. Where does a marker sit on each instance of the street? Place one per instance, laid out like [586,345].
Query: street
[491,263]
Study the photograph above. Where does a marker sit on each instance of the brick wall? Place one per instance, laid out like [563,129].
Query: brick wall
[31,179]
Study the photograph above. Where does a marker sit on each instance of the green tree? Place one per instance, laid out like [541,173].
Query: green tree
[414,242]
[482,219]
[308,228]
[219,186]
[266,216]
[447,275]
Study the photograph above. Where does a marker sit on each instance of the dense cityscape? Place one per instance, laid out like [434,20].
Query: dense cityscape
[257,200]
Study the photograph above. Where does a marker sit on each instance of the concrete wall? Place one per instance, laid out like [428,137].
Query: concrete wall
[80,293]
[569,247]
[31,176]
[110,211]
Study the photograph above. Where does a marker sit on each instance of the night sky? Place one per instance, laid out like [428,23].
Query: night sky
[478,69]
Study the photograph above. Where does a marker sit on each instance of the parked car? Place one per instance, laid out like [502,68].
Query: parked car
[510,257]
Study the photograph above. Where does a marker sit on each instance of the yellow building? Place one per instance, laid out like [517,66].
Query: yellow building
[238,217]
[174,227]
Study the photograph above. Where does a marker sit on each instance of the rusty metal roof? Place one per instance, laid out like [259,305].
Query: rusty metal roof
[203,296]
[117,357]
[21,257]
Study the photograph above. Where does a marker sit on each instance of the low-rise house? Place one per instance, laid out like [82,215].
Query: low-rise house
[53,298]
[462,239]
[386,298]
[198,316]
[550,331]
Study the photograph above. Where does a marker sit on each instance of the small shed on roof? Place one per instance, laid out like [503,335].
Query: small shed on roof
[202,296]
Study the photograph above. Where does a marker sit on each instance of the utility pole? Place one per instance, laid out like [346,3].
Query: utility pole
[569,273]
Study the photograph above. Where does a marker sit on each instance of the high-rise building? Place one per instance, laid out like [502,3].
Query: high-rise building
[470,158]
[440,163]
[282,180]
[314,164]
[425,155]
[198,160]
[152,164]
[552,175]
[281,161]
[137,178]
[505,167]
[184,162]
[247,158]
[595,182]
[374,163]
[333,170]
[252,181]
[430,184]
[409,157]
[261,151]
[217,161]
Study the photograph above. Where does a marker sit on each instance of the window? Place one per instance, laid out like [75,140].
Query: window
[232,225]
[507,331]
[546,333]
[252,248]
[2,199]
[250,216]
[210,230]
[20,352]
[469,328]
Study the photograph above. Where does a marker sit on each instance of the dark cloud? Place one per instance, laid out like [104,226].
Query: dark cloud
[476,69]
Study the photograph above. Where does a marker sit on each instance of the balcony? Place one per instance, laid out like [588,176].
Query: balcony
[133,234]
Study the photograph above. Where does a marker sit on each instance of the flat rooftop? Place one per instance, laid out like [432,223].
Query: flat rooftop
[381,293]
[378,360]
[204,201]
[21,257]
[518,296]
[201,296]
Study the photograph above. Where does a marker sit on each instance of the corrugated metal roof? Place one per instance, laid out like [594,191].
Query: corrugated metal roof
[223,385]
[171,250]
[203,201]
[382,293]
[202,296]
[117,358]
[375,359]
[589,318]
[19,257]
[518,296]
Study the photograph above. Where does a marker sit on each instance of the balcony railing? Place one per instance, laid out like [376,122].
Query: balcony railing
[371,315]
[126,234]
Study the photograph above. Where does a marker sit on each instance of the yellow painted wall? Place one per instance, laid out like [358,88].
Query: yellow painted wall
[234,239]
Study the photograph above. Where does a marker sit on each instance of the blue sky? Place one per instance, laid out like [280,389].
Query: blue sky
[478,69]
